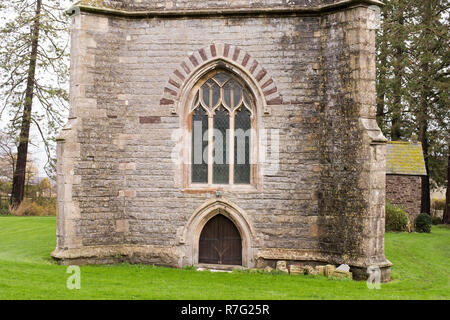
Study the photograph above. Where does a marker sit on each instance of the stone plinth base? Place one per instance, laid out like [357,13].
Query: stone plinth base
[170,257]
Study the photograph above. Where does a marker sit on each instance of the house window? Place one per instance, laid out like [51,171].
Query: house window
[222,116]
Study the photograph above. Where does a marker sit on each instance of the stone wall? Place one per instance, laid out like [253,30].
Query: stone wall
[125,174]
[351,220]
[121,195]
[405,191]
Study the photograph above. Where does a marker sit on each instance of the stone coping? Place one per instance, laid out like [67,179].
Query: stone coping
[277,10]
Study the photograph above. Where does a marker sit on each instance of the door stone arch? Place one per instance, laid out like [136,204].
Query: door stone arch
[189,237]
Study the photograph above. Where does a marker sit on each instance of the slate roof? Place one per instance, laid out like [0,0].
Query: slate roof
[405,158]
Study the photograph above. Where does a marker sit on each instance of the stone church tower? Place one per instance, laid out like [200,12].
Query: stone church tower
[224,132]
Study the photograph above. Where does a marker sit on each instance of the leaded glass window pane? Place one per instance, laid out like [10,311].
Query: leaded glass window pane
[220,153]
[215,95]
[227,94]
[221,78]
[242,137]
[199,146]
[237,95]
[220,96]
[205,95]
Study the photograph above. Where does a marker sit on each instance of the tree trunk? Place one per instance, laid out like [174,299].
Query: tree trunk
[22,151]
[422,120]
[27,183]
[446,218]
[423,116]
[397,106]
[426,198]
[381,90]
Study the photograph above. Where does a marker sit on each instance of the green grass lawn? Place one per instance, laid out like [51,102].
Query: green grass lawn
[420,271]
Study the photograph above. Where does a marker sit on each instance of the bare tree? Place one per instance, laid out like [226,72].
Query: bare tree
[33,70]
[8,155]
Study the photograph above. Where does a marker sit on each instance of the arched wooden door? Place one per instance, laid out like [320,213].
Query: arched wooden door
[220,242]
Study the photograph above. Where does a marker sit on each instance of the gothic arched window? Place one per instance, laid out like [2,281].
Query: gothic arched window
[222,116]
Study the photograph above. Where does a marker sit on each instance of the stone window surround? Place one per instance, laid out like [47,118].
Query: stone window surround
[183,108]
[230,142]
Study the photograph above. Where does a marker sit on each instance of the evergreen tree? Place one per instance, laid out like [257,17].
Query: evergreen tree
[412,81]
[391,68]
[428,89]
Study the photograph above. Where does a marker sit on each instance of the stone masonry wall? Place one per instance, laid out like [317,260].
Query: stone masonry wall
[119,193]
[124,170]
[351,220]
[405,191]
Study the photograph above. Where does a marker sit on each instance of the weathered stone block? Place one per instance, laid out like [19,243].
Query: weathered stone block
[320,270]
[342,274]
[281,266]
[268,269]
[295,269]
[343,268]
[329,270]
[121,226]
[310,270]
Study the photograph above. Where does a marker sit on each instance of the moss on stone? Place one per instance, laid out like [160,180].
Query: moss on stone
[405,158]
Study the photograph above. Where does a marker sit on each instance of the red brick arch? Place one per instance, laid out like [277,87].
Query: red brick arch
[234,54]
